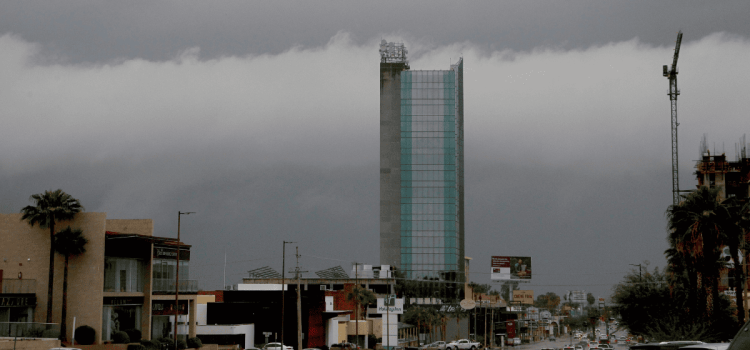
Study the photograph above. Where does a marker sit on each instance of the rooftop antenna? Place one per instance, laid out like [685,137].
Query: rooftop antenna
[671,74]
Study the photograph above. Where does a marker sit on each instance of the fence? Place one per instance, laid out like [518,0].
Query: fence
[30,330]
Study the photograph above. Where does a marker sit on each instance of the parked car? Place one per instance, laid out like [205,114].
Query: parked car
[277,346]
[708,346]
[462,344]
[440,345]
[344,346]
[665,345]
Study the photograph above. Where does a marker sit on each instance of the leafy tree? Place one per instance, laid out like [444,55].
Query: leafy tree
[590,298]
[49,208]
[549,301]
[68,242]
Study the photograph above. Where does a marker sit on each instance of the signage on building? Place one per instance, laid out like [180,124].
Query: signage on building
[114,301]
[515,268]
[524,296]
[17,300]
[391,305]
[166,307]
[468,304]
[170,253]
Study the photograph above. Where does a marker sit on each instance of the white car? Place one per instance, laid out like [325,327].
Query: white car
[440,345]
[462,344]
[277,346]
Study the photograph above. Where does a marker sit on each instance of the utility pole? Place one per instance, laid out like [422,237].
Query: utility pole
[177,278]
[640,277]
[671,74]
[283,287]
[298,274]
[356,303]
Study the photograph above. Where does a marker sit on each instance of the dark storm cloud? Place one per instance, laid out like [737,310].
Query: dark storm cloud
[567,145]
[95,31]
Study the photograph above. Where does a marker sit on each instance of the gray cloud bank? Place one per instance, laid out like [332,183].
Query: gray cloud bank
[567,150]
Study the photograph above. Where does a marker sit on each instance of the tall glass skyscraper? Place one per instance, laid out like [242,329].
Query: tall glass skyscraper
[421,167]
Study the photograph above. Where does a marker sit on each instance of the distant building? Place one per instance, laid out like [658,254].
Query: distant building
[733,177]
[125,279]
[421,168]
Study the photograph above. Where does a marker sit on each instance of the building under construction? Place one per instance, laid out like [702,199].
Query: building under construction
[732,177]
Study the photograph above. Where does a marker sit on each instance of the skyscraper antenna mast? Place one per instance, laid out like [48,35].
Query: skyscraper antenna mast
[671,74]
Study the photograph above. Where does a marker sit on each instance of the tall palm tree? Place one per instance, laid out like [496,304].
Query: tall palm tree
[68,242]
[695,232]
[50,207]
[737,226]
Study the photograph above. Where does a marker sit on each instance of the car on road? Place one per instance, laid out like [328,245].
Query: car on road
[440,345]
[277,346]
[462,344]
[707,346]
[605,347]
[344,346]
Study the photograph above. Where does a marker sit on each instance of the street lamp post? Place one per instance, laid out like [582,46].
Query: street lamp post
[177,278]
[283,287]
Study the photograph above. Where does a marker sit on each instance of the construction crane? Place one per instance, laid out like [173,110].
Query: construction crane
[671,74]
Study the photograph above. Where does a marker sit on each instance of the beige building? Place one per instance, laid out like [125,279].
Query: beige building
[124,280]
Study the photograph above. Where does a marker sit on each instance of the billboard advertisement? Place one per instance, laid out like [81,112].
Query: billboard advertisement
[511,268]
[524,296]
[577,296]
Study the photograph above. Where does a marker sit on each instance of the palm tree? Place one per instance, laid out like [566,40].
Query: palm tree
[737,225]
[50,207]
[68,242]
[695,232]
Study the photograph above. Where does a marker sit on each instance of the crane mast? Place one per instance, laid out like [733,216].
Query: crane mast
[671,74]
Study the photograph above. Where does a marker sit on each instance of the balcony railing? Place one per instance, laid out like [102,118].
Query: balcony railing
[30,329]
[161,285]
[11,285]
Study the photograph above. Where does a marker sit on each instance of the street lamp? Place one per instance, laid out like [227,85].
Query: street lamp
[283,285]
[177,277]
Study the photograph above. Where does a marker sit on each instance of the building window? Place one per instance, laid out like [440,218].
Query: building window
[164,274]
[120,318]
[123,275]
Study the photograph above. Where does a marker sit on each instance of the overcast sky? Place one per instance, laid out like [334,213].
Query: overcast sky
[262,117]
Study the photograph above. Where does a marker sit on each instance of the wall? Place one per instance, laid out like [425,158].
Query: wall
[26,249]
[139,226]
[29,344]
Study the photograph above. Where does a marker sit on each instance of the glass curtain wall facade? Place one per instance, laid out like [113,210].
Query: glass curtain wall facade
[421,174]
[429,241]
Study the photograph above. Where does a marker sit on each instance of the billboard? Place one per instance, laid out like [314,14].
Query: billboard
[524,296]
[577,297]
[511,268]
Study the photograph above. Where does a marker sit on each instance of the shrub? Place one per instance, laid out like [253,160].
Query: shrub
[151,344]
[35,332]
[167,343]
[134,334]
[120,337]
[181,344]
[194,342]
[85,335]
[136,347]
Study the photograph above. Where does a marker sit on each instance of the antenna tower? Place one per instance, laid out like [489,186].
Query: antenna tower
[671,74]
